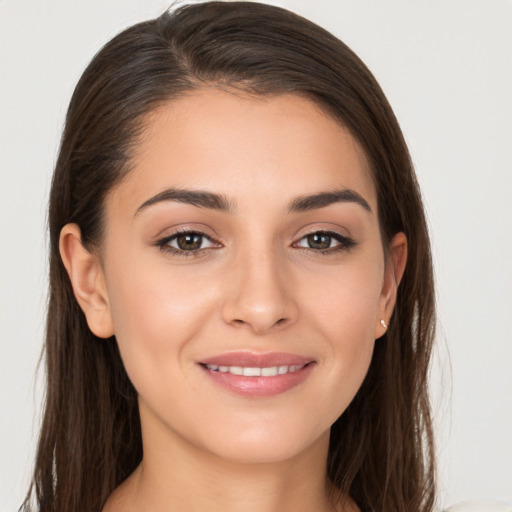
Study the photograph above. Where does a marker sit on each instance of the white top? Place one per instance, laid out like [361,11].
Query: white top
[480,506]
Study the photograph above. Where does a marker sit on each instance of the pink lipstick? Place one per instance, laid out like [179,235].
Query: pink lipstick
[258,375]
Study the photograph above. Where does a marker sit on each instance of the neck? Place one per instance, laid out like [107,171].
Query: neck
[175,476]
[228,487]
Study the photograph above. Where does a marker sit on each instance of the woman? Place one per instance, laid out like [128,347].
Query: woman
[241,306]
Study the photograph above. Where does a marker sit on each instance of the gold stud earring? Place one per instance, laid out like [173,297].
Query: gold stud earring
[383,324]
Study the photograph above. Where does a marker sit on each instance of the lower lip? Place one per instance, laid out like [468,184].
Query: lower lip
[260,386]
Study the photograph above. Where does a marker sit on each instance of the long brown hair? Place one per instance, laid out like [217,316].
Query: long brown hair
[381,448]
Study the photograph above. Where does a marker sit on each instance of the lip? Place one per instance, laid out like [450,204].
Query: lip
[263,387]
[252,359]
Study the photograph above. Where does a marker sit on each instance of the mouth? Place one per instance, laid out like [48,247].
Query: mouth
[258,375]
[255,371]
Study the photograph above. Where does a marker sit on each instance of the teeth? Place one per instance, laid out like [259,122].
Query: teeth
[255,371]
[269,372]
[252,372]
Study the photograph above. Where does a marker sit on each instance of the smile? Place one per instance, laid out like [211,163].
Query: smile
[270,371]
[258,375]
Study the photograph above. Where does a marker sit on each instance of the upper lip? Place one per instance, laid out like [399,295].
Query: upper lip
[256,360]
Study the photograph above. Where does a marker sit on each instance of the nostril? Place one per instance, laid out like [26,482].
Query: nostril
[241,323]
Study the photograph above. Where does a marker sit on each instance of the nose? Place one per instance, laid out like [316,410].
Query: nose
[260,297]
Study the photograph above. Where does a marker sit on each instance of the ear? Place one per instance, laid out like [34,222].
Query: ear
[393,272]
[87,279]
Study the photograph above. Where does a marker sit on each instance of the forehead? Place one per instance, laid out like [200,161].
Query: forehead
[241,145]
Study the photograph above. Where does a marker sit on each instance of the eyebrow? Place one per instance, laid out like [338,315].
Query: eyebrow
[213,201]
[198,198]
[323,199]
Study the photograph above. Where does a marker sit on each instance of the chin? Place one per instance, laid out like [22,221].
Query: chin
[268,447]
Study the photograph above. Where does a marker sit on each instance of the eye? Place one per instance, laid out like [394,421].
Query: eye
[186,242]
[325,241]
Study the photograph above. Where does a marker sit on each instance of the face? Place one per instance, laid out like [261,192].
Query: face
[244,273]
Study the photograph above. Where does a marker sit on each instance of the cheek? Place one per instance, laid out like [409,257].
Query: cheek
[346,303]
[344,311]
[155,313]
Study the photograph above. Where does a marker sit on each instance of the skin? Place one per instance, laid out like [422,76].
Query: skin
[257,286]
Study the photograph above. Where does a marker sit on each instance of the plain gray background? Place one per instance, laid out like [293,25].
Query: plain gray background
[446,67]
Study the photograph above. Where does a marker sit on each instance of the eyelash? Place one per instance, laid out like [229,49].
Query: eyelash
[163,244]
[344,243]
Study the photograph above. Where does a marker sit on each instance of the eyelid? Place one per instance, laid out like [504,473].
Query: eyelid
[163,243]
[322,227]
[346,242]
[185,227]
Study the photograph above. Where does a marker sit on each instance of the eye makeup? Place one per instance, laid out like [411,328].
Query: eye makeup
[191,242]
[187,243]
[325,242]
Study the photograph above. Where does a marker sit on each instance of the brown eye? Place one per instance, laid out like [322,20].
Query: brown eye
[186,243]
[325,242]
[189,241]
[319,241]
